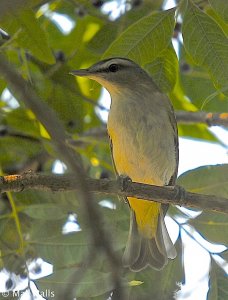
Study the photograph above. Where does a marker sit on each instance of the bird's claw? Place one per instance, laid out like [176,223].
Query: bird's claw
[180,195]
[123,182]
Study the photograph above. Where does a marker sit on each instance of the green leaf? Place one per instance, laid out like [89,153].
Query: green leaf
[12,244]
[103,38]
[207,44]
[50,244]
[198,86]
[181,102]
[119,227]
[179,99]
[61,94]
[202,93]
[45,211]
[164,69]
[146,39]
[221,22]
[92,284]
[196,131]
[68,105]
[221,7]
[218,288]
[16,150]
[32,36]
[209,180]
[213,226]
[23,121]
[206,180]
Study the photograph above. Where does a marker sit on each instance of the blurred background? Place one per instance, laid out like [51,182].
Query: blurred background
[44,237]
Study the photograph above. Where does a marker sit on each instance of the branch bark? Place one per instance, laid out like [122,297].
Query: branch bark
[60,183]
[210,119]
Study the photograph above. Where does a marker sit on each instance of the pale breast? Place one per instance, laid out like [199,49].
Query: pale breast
[143,146]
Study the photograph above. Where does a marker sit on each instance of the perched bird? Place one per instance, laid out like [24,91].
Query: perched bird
[144,144]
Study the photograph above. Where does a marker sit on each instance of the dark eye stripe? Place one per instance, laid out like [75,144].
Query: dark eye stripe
[111,68]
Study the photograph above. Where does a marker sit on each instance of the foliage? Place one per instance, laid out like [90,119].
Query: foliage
[44,53]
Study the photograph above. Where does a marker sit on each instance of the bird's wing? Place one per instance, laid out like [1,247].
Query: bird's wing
[173,178]
[114,166]
[176,144]
[111,147]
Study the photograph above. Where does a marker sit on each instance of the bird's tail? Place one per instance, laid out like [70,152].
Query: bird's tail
[141,251]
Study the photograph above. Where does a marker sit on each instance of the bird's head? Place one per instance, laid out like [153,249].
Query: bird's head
[115,74]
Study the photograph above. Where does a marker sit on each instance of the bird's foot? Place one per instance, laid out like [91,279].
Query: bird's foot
[180,195]
[123,182]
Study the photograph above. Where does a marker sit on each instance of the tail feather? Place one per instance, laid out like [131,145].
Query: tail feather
[141,252]
[133,248]
[169,247]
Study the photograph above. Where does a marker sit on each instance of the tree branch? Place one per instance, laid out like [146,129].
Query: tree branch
[210,119]
[183,117]
[60,183]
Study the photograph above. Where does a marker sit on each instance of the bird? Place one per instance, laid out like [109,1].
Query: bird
[144,145]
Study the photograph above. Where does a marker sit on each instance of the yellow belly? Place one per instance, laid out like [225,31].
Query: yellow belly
[146,213]
[130,160]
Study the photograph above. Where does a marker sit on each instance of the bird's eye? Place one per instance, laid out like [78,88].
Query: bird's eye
[113,68]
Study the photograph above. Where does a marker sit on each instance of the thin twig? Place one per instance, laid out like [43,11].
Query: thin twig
[209,119]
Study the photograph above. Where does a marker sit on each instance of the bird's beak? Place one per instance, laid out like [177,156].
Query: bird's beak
[91,75]
[81,73]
